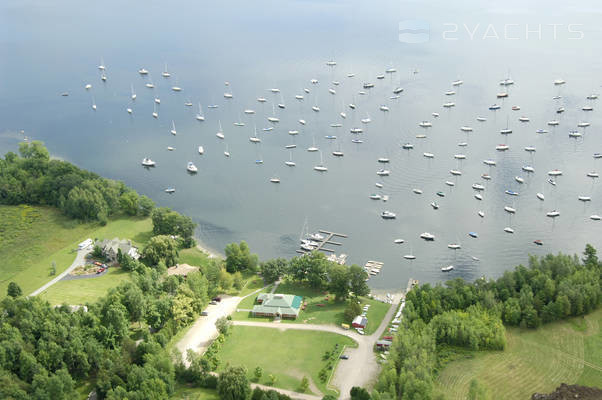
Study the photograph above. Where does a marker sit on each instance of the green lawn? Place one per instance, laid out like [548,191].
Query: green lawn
[31,238]
[193,256]
[318,310]
[187,393]
[80,291]
[289,355]
[534,361]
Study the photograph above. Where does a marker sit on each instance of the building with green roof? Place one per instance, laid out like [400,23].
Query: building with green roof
[277,306]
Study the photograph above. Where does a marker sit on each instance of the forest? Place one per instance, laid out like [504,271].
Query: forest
[472,316]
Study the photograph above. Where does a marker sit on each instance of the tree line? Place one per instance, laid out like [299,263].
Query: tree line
[438,319]
[31,177]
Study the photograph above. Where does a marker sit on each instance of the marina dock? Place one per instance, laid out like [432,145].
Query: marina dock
[327,241]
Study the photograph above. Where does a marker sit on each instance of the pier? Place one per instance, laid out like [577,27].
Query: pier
[326,241]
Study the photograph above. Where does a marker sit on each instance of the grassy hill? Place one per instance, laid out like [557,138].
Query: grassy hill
[534,361]
[32,237]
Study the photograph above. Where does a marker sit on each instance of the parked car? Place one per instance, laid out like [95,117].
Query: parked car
[212,303]
[204,313]
[217,298]
[97,263]
[100,270]
[344,357]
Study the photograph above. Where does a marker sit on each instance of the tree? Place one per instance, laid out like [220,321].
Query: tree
[272,270]
[357,281]
[14,290]
[169,222]
[34,150]
[359,393]
[311,267]
[225,280]
[339,281]
[258,372]
[476,391]
[352,310]
[223,325]
[304,384]
[239,257]
[237,280]
[134,301]
[161,248]
[97,252]
[271,379]
[233,384]
[146,206]
[128,202]
[590,256]
[53,268]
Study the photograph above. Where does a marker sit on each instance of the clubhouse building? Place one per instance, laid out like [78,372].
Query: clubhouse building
[285,306]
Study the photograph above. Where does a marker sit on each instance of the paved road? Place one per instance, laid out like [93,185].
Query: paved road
[361,368]
[80,259]
[293,395]
[203,331]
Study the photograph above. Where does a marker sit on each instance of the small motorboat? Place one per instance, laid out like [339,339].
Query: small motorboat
[584,198]
[478,186]
[481,214]
[147,162]
[440,194]
[455,172]
[595,217]
[509,209]
[427,236]
[511,192]
[375,196]
[388,215]
[553,214]
[190,167]
[489,162]
[481,119]
[502,147]
[593,174]
[495,107]
[407,146]
[447,269]
[383,172]
[450,183]
[275,180]
[435,205]
[519,179]
[538,242]
[425,124]
[170,190]
[487,177]
[478,196]
[473,234]
[398,241]
[454,246]
[540,196]
[409,257]
[508,230]
[552,182]
[530,149]
[555,172]
[417,191]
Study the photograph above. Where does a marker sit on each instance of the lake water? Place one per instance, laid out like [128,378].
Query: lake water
[49,49]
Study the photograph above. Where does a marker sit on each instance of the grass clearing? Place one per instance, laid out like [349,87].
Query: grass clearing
[321,308]
[80,291]
[289,355]
[31,238]
[189,393]
[193,256]
[534,361]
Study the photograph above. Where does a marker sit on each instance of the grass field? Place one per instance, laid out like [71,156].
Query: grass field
[31,238]
[534,361]
[80,291]
[187,393]
[319,310]
[289,355]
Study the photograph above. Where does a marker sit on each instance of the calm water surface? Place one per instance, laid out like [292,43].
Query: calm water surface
[49,49]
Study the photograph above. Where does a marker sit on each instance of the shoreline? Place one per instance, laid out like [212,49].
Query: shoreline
[207,250]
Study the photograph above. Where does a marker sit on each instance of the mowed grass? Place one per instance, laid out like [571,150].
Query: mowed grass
[322,308]
[534,361]
[31,238]
[289,355]
[188,393]
[81,291]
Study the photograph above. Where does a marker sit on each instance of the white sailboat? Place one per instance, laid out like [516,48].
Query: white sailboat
[220,133]
[165,73]
[321,167]
[133,96]
[200,116]
[290,162]
[173,128]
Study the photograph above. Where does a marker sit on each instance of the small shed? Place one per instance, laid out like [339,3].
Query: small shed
[359,322]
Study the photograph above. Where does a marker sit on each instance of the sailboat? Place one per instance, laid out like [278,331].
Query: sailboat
[290,162]
[173,128]
[313,147]
[133,93]
[320,167]
[220,133]
[101,66]
[165,73]
[273,119]
[226,152]
[254,138]
[93,104]
[155,114]
[200,116]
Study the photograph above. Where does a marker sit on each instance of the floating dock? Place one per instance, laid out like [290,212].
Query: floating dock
[328,241]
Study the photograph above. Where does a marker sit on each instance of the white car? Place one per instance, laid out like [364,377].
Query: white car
[360,331]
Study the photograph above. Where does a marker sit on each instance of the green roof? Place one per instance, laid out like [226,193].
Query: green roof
[287,304]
